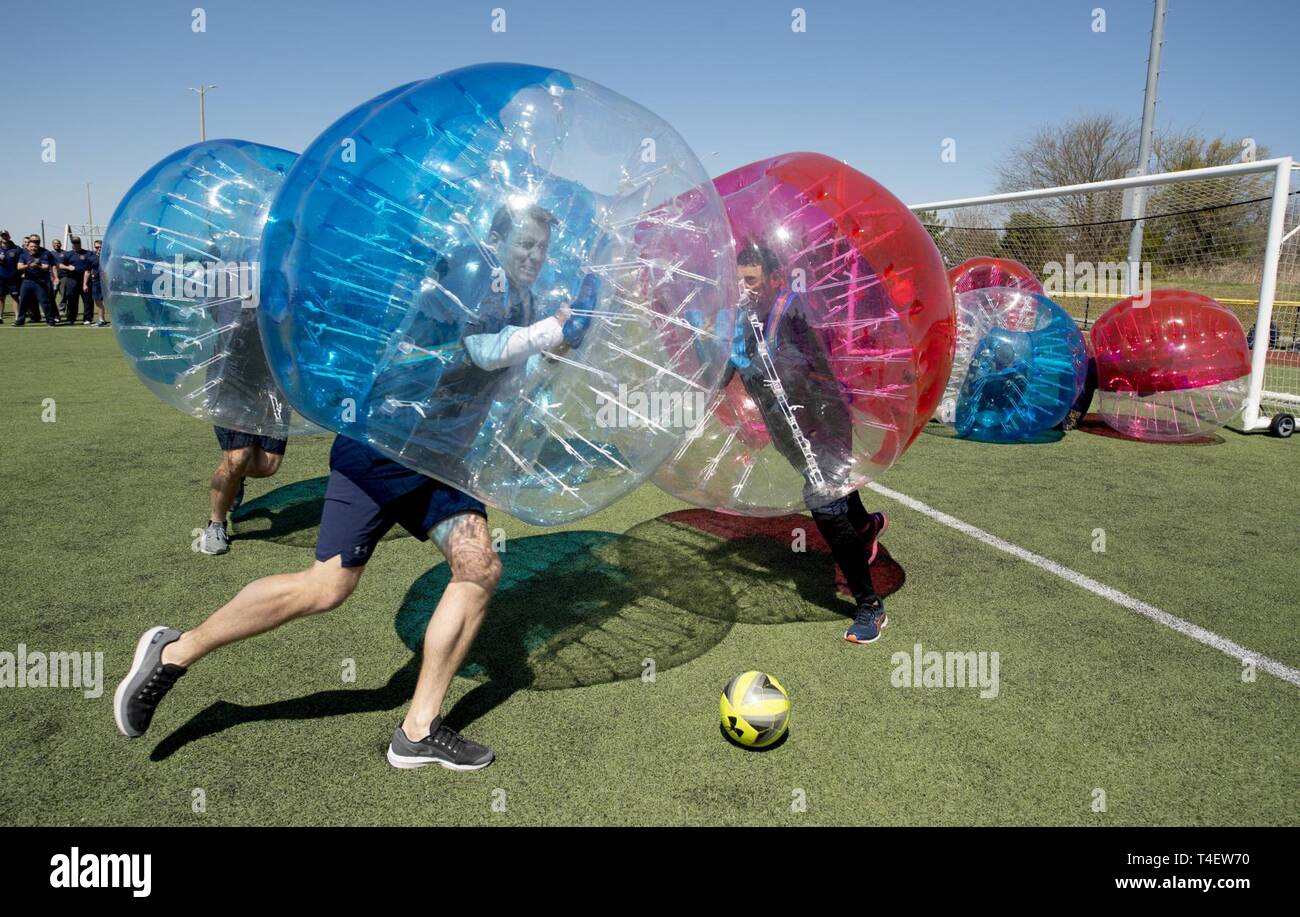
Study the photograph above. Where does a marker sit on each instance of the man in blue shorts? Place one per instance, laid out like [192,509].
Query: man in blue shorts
[367,495]
[243,455]
[245,392]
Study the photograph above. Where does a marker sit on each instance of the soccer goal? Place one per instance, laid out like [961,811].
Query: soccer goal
[1229,232]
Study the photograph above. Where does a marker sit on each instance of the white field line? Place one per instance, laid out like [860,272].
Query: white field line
[1186,628]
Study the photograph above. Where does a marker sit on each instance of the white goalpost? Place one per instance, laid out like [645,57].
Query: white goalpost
[1231,232]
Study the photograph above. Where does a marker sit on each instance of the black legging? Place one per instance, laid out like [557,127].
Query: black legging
[841,523]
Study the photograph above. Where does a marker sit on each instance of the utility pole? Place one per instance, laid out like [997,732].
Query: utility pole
[90,216]
[1144,146]
[203,123]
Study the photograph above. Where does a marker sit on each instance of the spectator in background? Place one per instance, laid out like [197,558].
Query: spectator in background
[36,267]
[55,254]
[93,285]
[9,279]
[24,313]
[72,283]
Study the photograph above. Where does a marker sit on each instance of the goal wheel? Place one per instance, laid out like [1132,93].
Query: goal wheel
[1282,425]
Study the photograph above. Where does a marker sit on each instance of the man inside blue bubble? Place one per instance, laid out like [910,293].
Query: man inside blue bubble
[460,359]
[474,335]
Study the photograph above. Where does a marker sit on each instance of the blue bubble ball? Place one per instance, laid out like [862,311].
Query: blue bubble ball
[487,276]
[1027,364]
[181,277]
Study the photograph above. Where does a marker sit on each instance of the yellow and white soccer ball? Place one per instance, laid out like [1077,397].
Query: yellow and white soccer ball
[755,709]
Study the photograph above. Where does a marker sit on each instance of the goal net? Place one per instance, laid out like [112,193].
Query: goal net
[1207,230]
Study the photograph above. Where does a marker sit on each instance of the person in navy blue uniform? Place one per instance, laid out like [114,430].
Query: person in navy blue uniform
[9,280]
[72,283]
[30,311]
[95,286]
[36,293]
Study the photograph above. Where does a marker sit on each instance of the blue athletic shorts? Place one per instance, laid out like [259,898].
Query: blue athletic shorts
[353,522]
[235,439]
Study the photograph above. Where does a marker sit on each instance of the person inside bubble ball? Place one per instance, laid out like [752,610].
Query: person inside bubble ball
[242,379]
[367,494]
[462,354]
[809,422]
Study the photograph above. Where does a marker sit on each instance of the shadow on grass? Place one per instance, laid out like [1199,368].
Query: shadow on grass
[778,568]
[289,515]
[219,716]
[947,431]
[1094,425]
[582,608]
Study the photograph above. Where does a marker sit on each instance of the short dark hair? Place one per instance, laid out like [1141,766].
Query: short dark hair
[75,240]
[752,253]
[503,221]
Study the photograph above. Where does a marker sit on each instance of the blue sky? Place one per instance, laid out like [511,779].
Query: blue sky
[877,84]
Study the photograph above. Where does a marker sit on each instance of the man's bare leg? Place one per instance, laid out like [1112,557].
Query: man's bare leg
[236,465]
[265,604]
[230,473]
[475,572]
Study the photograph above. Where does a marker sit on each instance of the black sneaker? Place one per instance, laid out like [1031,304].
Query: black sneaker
[443,745]
[147,683]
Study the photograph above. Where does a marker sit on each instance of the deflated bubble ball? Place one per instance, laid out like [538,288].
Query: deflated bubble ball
[1025,367]
[841,349]
[478,274]
[984,272]
[181,280]
[1174,367]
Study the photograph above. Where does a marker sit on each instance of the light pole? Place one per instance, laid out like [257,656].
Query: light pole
[203,124]
[1144,145]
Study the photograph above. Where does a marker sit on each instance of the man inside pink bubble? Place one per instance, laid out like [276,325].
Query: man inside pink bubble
[808,419]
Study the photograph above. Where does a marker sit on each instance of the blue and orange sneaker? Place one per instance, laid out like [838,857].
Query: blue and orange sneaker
[867,623]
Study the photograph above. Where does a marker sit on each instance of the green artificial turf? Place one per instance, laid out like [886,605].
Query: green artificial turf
[96,521]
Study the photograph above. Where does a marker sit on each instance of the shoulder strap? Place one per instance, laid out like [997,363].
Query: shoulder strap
[772,329]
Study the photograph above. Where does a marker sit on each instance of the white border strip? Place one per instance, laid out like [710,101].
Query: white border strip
[1186,628]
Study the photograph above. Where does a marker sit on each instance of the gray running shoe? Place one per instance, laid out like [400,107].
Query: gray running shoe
[147,683]
[214,539]
[443,745]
